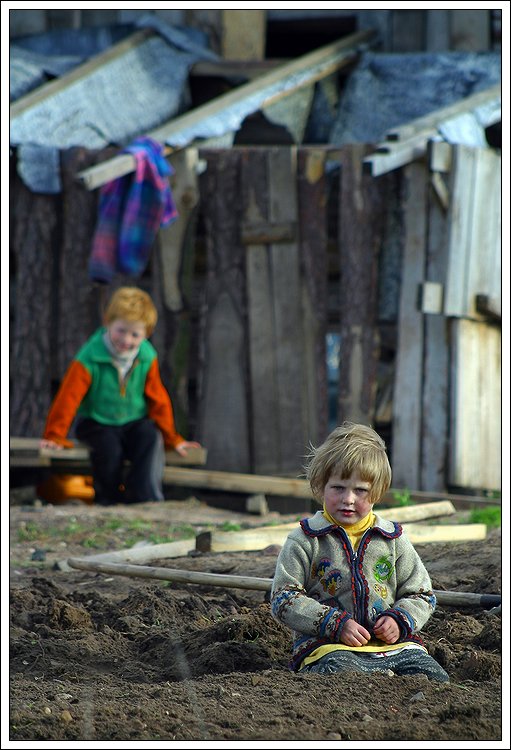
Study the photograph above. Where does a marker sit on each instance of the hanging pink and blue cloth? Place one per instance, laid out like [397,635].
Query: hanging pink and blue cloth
[131,210]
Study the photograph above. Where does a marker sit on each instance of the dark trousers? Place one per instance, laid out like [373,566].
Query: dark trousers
[141,443]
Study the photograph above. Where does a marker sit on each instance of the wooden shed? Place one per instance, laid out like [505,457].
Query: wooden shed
[277,246]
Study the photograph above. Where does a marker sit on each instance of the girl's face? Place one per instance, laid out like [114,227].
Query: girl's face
[347,500]
[126,336]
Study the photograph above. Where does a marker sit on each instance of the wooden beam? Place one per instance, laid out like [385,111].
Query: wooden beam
[81,71]
[138,555]
[236,69]
[26,452]
[243,34]
[266,89]
[410,141]
[427,126]
[262,537]
[233,482]
[448,598]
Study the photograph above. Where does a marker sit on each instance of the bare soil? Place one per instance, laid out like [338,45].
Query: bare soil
[102,658]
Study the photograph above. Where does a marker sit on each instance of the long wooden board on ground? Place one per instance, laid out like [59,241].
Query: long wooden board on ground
[141,554]
[26,452]
[265,534]
[259,538]
[449,598]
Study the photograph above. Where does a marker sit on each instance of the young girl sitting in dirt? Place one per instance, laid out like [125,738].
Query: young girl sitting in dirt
[113,387]
[349,583]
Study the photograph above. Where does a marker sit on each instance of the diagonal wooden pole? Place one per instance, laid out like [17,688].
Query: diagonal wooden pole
[449,598]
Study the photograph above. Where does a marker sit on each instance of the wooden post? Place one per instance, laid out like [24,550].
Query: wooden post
[407,404]
[243,34]
[360,219]
[435,404]
[33,329]
[223,414]
[313,239]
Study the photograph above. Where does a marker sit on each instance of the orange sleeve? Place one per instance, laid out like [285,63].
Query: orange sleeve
[74,386]
[160,406]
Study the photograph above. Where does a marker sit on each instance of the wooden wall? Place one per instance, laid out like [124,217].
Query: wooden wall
[242,285]
[263,365]
[447,401]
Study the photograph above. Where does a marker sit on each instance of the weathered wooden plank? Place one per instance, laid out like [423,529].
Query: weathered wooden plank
[470,30]
[259,538]
[223,408]
[427,126]
[185,192]
[475,424]
[392,155]
[26,451]
[474,245]
[439,156]
[484,267]
[237,482]
[360,229]
[437,31]
[434,403]
[33,328]
[313,238]
[243,34]
[140,555]
[459,230]
[287,314]
[407,405]
[408,30]
[78,303]
[261,338]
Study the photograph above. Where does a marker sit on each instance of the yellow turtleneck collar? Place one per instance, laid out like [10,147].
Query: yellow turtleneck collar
[353,530]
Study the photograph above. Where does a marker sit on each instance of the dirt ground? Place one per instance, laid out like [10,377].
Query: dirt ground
[95,657]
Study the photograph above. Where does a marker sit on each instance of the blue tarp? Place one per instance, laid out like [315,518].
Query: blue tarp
[387,90]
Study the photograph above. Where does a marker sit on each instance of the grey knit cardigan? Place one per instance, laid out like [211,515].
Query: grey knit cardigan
[320,582]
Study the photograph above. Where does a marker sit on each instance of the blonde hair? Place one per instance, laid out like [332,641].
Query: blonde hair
[350,448]
[133,305]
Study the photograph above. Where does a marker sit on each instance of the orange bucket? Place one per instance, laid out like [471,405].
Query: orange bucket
[59,488]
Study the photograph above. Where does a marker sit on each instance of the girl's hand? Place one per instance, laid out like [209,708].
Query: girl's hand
[182,448]
[354,634]
[386,629]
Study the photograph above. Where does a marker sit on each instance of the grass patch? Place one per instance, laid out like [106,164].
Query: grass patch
[491,516]
[102,534]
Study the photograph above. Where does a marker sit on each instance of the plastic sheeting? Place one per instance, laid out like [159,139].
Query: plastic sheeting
[388,90]
[122,98]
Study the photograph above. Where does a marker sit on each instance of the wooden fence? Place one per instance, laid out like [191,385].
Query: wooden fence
[242,324]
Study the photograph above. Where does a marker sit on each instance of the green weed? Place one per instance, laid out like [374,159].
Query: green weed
[229,526]
[491,516]
[403,497]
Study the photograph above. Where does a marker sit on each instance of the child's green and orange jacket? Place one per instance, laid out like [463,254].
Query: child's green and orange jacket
[92,388]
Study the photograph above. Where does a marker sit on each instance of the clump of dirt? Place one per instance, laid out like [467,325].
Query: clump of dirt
[109,658]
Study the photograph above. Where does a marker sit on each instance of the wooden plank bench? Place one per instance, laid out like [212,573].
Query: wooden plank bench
[25,452]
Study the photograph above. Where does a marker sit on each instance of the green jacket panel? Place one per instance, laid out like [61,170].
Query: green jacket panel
[108,400]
